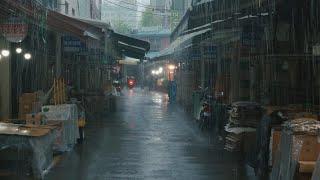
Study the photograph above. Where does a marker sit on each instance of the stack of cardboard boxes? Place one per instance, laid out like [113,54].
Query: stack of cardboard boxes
[29,103]
[34,119]
[295,149]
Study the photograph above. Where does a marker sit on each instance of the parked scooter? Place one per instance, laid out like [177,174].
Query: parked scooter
[206,113]
[205,116]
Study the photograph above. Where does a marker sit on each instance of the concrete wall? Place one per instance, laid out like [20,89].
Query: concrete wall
[80,8]
[84,8]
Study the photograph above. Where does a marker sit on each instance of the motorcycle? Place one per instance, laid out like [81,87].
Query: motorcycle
[131,82]
[206,115]
[117,86]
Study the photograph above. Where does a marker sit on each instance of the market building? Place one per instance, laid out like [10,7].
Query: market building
[46,56]
[246,52]
[232,92]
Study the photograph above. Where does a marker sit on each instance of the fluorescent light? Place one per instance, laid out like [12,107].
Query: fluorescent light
[5,53]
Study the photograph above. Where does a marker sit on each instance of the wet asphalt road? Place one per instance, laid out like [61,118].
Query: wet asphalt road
[147,138]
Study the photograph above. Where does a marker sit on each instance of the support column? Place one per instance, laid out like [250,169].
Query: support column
[202,71]
[58,55]
[78,78]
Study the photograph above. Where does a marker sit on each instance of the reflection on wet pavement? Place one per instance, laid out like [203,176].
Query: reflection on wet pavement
[147,138]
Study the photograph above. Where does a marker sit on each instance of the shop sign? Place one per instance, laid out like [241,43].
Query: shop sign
[14,30]
[73,44]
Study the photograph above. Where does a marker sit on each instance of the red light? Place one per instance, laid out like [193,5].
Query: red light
[131,82]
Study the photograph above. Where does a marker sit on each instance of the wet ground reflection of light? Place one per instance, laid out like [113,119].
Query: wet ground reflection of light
[157,98]
[131,93]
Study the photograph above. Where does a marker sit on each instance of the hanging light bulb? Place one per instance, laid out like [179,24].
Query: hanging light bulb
[27,56]
[18,50]
[160,69]
[5,53]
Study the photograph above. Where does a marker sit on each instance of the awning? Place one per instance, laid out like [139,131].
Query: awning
[98,23]
[180,42]
[66,24]
[129,61]
[131,47]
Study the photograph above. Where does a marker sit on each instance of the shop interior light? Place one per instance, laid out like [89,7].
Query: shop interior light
[153,72]
[27,56]
[160,69]
[18,50]
[5,53]
[171,67]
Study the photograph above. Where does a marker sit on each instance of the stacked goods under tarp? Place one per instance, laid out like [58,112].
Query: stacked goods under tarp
[261,157]
[67,116]
[245,114]
[269,135]
[299,147]
[244,117]
[316,171]
[32,143]
[233,142]
[29,103]
[241,142]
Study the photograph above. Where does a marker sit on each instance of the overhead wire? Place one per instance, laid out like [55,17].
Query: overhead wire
[132,8]
[148,6]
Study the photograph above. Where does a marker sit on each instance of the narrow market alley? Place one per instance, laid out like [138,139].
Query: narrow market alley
[147,138]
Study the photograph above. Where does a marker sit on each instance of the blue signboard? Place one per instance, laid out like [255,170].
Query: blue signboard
[73,44]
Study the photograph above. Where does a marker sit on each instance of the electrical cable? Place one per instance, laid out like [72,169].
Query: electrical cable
[148,6]
[133,9]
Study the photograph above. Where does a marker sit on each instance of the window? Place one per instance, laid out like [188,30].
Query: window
[73,12]
[66,10]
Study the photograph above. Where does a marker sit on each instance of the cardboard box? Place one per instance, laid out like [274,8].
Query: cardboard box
[310,148]
[274,144]
[34,119]
[28,103]
[28,98]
